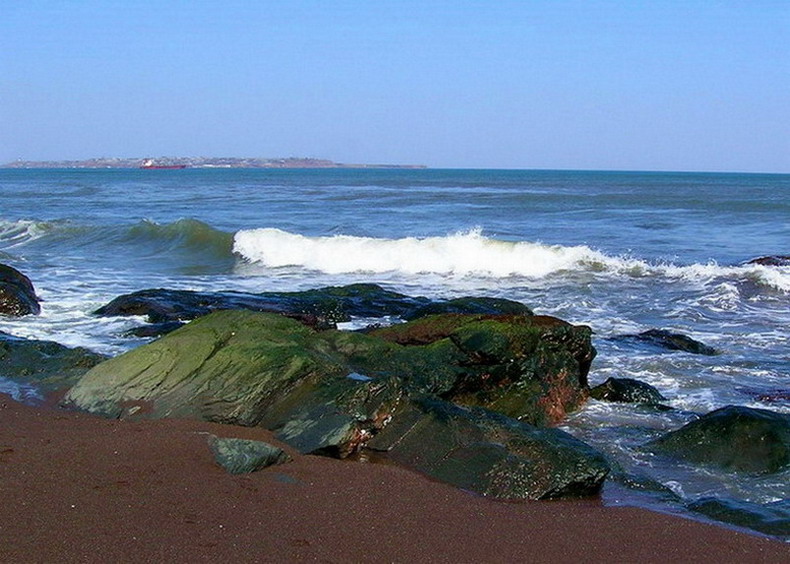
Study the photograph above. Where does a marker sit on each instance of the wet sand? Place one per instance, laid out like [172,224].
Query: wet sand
[78,488]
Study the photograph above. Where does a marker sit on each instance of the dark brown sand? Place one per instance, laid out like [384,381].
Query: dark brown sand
[77,488]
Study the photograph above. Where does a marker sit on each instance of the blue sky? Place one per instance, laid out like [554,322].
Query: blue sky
[638,85]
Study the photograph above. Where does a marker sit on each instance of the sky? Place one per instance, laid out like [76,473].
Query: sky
[688,85]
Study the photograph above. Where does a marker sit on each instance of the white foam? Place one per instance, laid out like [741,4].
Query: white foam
[461,253]
[471,253]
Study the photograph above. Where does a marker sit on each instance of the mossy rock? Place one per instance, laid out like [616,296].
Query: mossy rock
[733,438]
[243,456]
[46,365]
[330,391]
[488,453]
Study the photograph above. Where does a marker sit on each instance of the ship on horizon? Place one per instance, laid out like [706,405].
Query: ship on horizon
[150,164]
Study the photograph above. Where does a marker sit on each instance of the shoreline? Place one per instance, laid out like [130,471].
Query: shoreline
[77,487]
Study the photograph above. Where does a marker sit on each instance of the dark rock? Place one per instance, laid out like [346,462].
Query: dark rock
[530,368]
[242,456]
[474,305]
[770,518]
[322,307]
[46,365]
[154,329]
[771,260]
[328,392]
[17,295]
[733,438]
[670,341]
[488,453]
[627,390]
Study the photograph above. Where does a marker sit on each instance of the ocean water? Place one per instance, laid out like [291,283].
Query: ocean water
[622,252]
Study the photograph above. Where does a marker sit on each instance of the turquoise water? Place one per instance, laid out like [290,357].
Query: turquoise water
[622,252]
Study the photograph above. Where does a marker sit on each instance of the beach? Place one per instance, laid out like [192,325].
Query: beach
[79,488]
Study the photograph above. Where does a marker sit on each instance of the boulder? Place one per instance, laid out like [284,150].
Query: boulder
[733,438]
[532,368]
[329,391]
[669,340]
[488,453]
[627,390]
[243,456]
[320,307]
[17,295]
[46,365]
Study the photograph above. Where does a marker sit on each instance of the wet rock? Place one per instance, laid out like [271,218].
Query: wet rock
[154,329]
[472,305]
[670,341]
[771,260]
[627,390]
[322,307]
[17,295]
[530,368]
[770,518]
[242,456]
[46,365]
[733,438]
[328,392]
[488,453]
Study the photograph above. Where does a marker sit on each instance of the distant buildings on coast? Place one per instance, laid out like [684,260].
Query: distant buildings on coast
[199,162]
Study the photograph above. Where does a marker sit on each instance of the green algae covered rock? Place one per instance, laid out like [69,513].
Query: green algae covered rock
[46,365]
[329,392]
[733,438]
[242,456]
[488,453]
[530,368]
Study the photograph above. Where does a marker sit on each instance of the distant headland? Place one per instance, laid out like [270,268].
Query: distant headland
[199,162]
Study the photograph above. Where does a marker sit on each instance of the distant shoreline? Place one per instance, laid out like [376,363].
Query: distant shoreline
[200,162]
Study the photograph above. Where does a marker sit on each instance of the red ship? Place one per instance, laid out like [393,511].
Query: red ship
[149,163]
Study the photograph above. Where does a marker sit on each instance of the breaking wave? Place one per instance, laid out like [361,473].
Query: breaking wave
[470,253]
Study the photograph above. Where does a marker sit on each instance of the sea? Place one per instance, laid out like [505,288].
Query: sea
[621,252]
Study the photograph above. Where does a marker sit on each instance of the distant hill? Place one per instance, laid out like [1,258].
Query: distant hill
[199,162]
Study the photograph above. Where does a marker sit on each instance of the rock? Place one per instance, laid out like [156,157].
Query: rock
[530,368]
[770,518]
[46,365]
[669,341]
[627,390]
[480,305]
[488,453]
[733,438]
[771,260]
[154,329]
[322,307]
[17,295]
[328,392]
[242,456]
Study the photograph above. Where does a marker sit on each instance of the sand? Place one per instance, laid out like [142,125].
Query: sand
[78,488]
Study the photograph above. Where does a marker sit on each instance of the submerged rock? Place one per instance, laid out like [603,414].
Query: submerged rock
[329,391]
[769,518]
[17,295]
[733,438]
[493,455]
[771,260]
[627,390]
[320,307]
[46,365]
[670,341]
[242,456]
